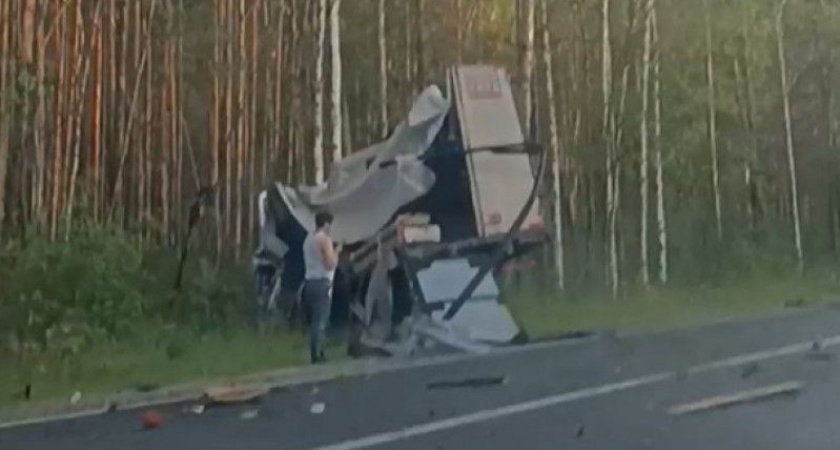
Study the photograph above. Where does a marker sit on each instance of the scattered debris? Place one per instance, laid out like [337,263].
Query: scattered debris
[251,414]
[75,398]
[315,390]
[196,409]
[318,408]
[749,371]
[225,395]
[580,431]
[151,420]
[816,346]
[821,356]
[468,383]
[724,401]
[432,414]
[796,303]
[523,338]
[146,387]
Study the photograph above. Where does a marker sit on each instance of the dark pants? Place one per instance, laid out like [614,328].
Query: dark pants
[317,300]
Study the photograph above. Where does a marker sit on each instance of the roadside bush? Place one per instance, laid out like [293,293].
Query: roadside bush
[211,300]
[59,295]
[98,286]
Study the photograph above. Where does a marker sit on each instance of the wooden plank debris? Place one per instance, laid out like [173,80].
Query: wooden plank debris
[724,401]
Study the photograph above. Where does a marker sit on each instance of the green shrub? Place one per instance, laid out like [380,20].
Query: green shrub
[64,293]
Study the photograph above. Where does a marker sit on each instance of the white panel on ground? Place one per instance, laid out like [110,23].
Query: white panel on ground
[483,321]
[445,279]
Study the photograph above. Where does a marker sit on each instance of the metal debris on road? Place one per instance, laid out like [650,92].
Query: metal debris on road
[250,414]
[724,401]
[318,408]
[821,356]
[477,382]
[580,431]
[232,394]
[195,409]
[749,371]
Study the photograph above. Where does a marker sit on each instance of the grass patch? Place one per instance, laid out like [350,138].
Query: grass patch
[544,313]
[178,357]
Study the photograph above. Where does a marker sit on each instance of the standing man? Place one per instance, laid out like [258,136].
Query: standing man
[320,257]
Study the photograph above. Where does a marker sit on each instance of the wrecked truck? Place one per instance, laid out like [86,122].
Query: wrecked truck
[426,217]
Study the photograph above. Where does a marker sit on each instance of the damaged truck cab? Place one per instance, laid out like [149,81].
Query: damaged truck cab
[426,217]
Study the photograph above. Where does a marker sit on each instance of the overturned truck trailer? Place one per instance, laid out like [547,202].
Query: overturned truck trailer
[426,217]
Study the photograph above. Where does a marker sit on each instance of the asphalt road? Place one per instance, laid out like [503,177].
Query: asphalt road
[598,393]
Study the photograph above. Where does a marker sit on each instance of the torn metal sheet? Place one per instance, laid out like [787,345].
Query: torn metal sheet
[364,191]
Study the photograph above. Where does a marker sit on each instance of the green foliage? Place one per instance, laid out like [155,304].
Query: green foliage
[97,286]
[63,294]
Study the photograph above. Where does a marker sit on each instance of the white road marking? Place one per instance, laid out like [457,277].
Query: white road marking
[554,400]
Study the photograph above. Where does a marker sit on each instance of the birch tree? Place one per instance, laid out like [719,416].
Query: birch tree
[383,70]
[608,139]
[335,52]
[713,149]
[556,157]
[661,220]
[528,68]
[643,133]
[318,150]
[791,156]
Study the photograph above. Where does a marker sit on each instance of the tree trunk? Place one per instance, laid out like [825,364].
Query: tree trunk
[710,77]
[791,156]
[556,156]
[528,70]
[252,177]
[39,189]
[408,80]
[420,46]
[58,147]
[335,52]
[609,143]
[459,34]
[5,114]
[96,115]
[643,133]
[383,71]
[241,129]
[215,121]
[661,220]
[81,93]
[318,150]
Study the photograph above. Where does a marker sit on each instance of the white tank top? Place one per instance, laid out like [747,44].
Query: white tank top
[315,268]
